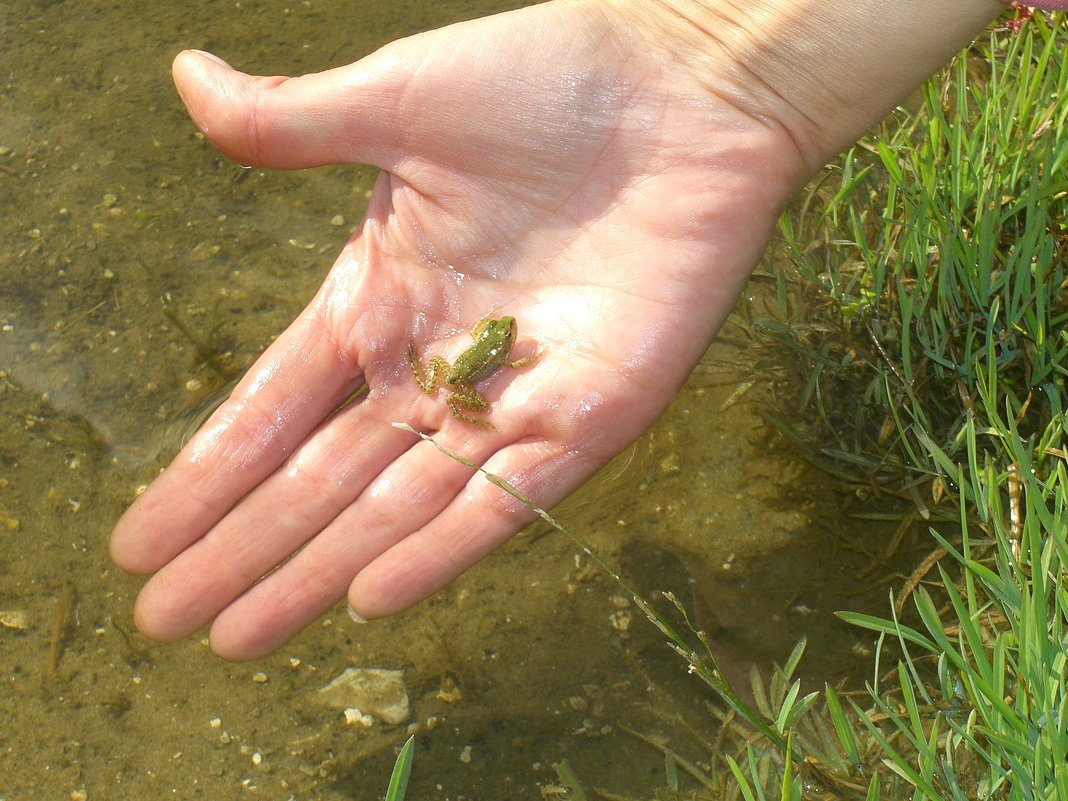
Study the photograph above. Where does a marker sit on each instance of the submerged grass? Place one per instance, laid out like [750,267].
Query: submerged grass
[398,780]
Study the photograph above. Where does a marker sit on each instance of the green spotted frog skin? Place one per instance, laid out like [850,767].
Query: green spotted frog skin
[493,342]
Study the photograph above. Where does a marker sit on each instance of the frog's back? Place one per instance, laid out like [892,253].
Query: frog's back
[489,351]
[472,366]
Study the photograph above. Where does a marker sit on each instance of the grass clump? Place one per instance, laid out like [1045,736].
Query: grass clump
[977,704]
[927,302]
[980,702]
[931,261]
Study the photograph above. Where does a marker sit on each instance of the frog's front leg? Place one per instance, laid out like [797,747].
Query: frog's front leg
[434,375]
[465,396]
[525,360]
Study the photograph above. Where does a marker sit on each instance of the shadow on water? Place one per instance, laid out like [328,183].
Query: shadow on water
[141,272]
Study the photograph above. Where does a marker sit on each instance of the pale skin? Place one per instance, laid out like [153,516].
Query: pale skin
[615,205]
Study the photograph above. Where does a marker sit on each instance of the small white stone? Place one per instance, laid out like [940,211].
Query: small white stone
[15,619]
[354,715]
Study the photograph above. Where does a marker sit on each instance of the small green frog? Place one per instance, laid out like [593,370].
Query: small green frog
[493,342]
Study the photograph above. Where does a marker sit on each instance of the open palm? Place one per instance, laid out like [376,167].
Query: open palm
[536,164]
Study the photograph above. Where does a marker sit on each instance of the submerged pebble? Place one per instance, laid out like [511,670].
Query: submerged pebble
[15,619]
[369,691]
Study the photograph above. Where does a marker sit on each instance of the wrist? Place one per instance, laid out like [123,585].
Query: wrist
[823,70]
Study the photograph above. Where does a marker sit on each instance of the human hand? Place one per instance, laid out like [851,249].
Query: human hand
[555,164]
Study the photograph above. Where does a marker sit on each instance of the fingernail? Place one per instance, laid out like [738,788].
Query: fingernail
[355,617]
[211,57]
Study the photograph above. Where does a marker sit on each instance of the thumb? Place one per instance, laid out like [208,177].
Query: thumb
[341,115]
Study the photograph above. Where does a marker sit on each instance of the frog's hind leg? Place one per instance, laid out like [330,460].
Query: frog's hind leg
[466,397]
[434,374]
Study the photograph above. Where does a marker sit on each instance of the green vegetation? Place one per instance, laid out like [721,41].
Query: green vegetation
[929,266]
[398,780]
[927,301]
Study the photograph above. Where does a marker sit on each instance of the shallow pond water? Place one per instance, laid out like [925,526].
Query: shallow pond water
[129,249]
